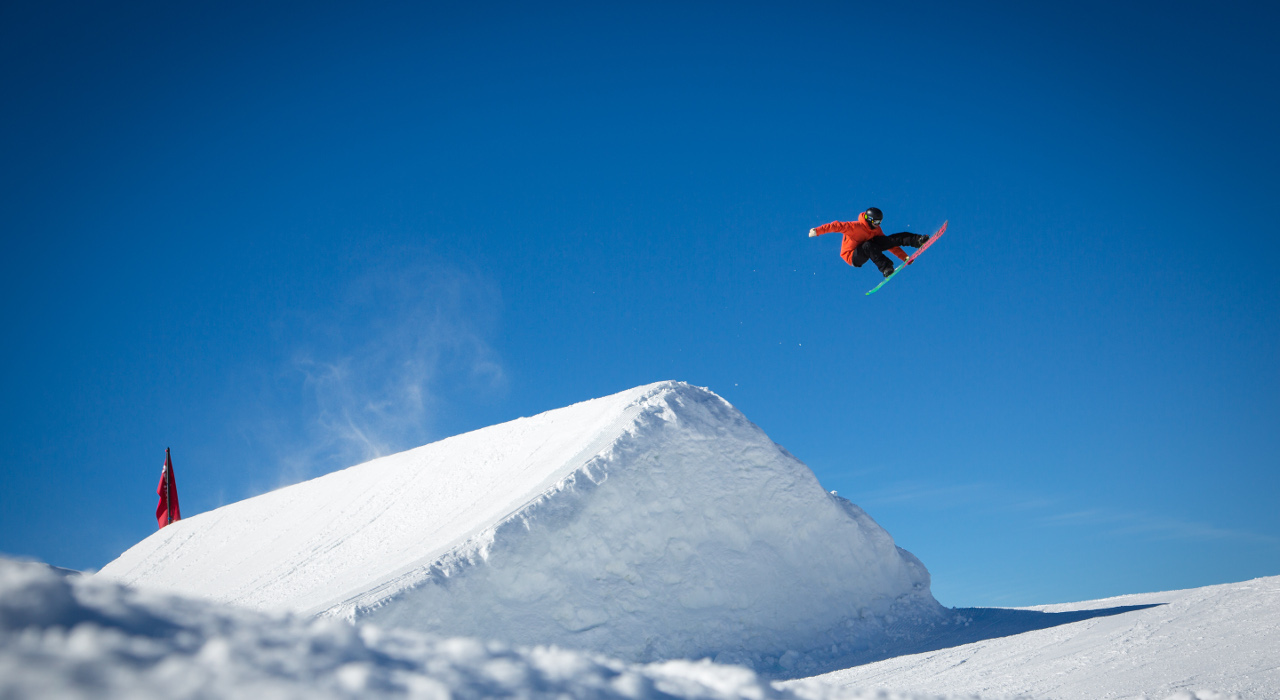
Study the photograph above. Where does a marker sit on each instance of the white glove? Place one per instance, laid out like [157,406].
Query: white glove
[812,233]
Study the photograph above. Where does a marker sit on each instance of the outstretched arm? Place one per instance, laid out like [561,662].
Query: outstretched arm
[840,226]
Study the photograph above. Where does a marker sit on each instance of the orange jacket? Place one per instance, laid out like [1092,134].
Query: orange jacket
[855,234]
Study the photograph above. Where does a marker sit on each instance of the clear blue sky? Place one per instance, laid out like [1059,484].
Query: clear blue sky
[280,238]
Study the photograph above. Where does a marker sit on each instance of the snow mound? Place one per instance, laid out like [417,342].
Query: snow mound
[73,637]
[657,523]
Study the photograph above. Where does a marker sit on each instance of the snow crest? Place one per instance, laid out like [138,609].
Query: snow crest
[658,523]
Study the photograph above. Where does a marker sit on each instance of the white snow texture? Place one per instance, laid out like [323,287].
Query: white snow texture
[78,637]
[658,523]
[1216,642]
[81,637]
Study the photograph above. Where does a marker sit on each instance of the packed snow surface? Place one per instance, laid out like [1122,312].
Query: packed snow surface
[81,637]
[657,523]
[77,637]
[1214,642]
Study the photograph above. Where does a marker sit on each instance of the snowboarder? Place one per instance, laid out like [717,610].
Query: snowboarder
[863,240]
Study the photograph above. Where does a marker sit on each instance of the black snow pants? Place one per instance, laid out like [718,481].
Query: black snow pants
[874,249]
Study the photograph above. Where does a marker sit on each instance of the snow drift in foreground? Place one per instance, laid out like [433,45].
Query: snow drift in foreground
[76,636]
[71,637]
[657,523]
[1213,642]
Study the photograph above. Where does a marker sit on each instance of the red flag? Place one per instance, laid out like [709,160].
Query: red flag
[167,510]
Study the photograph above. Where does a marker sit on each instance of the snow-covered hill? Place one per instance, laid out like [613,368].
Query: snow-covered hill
[75,636]
[1212,642]
[657,523]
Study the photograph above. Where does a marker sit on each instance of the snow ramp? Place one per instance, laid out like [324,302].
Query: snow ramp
[656,523]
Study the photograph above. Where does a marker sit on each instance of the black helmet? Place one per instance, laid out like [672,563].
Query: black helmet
[874,214]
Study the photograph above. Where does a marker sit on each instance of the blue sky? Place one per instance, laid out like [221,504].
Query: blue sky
[282,238]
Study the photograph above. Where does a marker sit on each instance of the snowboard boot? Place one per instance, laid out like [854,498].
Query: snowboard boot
[921,240]
[887,270]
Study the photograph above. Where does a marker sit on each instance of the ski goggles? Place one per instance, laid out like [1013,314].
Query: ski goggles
[871,219]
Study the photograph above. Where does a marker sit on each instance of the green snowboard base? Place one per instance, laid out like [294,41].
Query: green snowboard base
[903,266]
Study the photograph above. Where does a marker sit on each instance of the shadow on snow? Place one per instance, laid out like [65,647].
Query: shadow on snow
[964,626]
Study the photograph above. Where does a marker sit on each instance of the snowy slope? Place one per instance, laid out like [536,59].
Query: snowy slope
[77,637]
[1217,641]
[653,524]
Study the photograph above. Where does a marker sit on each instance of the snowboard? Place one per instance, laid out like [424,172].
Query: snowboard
[932,239]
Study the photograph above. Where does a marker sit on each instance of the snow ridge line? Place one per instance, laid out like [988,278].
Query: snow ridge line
[476,546]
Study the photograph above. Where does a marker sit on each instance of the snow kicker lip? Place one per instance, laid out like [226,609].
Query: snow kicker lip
[652,524]
[474,546]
